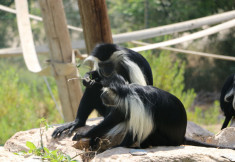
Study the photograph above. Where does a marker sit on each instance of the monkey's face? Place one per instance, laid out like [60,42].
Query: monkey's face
[109,97]
[106,68]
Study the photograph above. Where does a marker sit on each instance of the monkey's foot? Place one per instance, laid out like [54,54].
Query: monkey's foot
[77,137]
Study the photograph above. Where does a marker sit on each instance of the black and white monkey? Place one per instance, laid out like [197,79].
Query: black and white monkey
[147,115]
[227,99]
[132,66]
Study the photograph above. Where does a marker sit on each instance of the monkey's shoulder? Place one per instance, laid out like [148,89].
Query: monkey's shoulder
[151,91]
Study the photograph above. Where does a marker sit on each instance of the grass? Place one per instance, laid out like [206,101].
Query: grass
[24,99]
[209,118]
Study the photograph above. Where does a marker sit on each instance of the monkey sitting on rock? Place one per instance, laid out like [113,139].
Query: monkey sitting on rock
[144,114]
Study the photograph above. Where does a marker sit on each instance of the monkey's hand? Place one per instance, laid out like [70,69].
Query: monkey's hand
[67,128]
[87,82]
[92,79]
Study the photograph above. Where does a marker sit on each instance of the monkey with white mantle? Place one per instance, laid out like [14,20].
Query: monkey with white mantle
[144,114]
[227,100]
[132,66]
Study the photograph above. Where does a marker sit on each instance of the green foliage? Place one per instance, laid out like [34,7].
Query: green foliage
[207,116]
[213,71]
[46,154]
[169,76]
[159,12]
[43,152]
[24,99]
[43,121]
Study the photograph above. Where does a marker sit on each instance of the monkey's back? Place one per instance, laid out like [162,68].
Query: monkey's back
[168,113]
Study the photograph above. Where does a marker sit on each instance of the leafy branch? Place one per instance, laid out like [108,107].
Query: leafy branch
[43,152]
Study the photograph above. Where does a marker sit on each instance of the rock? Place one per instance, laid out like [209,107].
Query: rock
[224,138]
[6,156]
[168,154]
[232,122]
[65,144]
[193,131]
[17,142]
[196,132]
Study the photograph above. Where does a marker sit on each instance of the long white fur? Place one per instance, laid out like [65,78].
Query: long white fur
[136,75]
[93,59]
[140,122]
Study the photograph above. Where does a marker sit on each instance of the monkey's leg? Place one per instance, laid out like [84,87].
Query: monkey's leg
[226,121]
[89,101]
[115,117]
[128,140]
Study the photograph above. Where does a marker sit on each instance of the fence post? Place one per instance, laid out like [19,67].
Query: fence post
[95,22]
[61,53]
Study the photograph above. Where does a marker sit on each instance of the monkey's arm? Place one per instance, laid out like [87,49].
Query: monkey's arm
[89,101]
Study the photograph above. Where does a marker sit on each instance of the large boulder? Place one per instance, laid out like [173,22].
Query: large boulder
[65,145]
[168,154]
[6,156]
[196,132]
[232,122]
[226,137]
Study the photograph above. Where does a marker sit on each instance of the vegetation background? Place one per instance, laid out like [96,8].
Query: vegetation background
[195,80]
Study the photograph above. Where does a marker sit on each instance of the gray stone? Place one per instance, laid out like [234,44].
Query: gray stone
[226,137]
[196,132]
[65,145]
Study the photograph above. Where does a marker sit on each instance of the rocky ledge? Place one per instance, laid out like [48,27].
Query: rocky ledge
[65,145]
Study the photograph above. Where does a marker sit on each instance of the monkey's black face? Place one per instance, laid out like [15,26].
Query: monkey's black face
[106,68]
[108,97]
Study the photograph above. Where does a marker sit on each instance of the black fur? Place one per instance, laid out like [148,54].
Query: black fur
[91,97]
[227,104]
[166,112]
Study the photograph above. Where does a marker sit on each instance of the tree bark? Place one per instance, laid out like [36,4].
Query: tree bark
[95,23]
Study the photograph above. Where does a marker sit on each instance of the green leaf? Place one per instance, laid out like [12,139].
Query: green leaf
[42,120]
[30,145]
[54,152]
[47,150]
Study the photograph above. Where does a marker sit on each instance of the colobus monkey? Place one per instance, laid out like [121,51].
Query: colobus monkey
[107,58]
[145,114]
[227,100]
